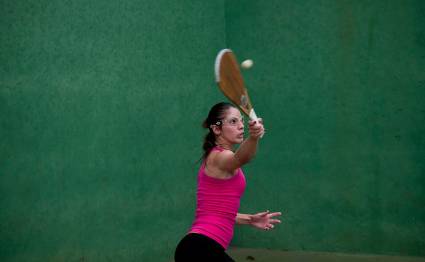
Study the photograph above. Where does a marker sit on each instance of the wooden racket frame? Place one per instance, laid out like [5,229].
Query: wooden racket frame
[229,79]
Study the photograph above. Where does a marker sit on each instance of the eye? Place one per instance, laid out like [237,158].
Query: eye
[233,121]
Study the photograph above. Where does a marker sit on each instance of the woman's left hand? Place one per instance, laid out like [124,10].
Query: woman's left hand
[264,220]
[256,128]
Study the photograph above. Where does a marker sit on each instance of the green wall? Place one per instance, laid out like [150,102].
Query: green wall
[101,104]
[341,86]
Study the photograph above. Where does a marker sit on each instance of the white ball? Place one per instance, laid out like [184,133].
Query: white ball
[247,64]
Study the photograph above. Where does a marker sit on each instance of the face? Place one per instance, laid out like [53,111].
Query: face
[232,127]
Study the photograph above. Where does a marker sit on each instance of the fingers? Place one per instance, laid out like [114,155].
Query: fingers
[262,214]
[256,130]
[266,220]
[272,221]
[275,214]
[270,215]
[275,221]
[256,135]
[258,122]
[268,227]
[253,122]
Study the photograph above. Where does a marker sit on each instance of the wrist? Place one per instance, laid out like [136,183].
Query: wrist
[244,219]
[249,219]
[253,138]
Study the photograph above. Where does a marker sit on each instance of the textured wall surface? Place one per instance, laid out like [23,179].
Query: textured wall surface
[101,104]
[341,86]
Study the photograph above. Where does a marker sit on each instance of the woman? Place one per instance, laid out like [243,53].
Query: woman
[221,184]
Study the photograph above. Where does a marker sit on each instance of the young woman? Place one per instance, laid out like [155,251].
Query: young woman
[221,184]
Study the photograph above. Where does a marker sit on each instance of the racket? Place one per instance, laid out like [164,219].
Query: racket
[229,79]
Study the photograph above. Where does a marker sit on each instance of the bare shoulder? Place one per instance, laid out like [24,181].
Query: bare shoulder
[224,160]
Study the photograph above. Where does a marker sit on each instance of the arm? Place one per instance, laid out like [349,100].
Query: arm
[231,161]
[263,220]
[243,219]
[246,151]
[248,148]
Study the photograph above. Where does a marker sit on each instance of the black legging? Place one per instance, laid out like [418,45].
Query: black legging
[197,247]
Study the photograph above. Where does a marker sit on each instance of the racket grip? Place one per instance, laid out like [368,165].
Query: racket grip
[254,117]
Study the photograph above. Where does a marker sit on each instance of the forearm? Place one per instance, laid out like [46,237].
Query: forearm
[246,150]
[243,219]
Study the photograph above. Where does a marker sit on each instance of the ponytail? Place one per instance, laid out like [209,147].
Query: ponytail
[209,143]
[214,118]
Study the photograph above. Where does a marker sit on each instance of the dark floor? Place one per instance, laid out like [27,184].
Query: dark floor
[263,255]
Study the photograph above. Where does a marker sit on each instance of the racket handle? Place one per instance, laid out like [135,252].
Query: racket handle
[254,117]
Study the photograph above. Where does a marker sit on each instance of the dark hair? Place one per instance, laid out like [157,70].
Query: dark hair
[215,116]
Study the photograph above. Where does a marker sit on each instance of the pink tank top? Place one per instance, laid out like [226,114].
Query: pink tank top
[217,204]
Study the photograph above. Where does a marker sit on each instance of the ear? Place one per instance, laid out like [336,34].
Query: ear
[216,130]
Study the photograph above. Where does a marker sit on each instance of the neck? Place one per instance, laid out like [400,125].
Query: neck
[224,144]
